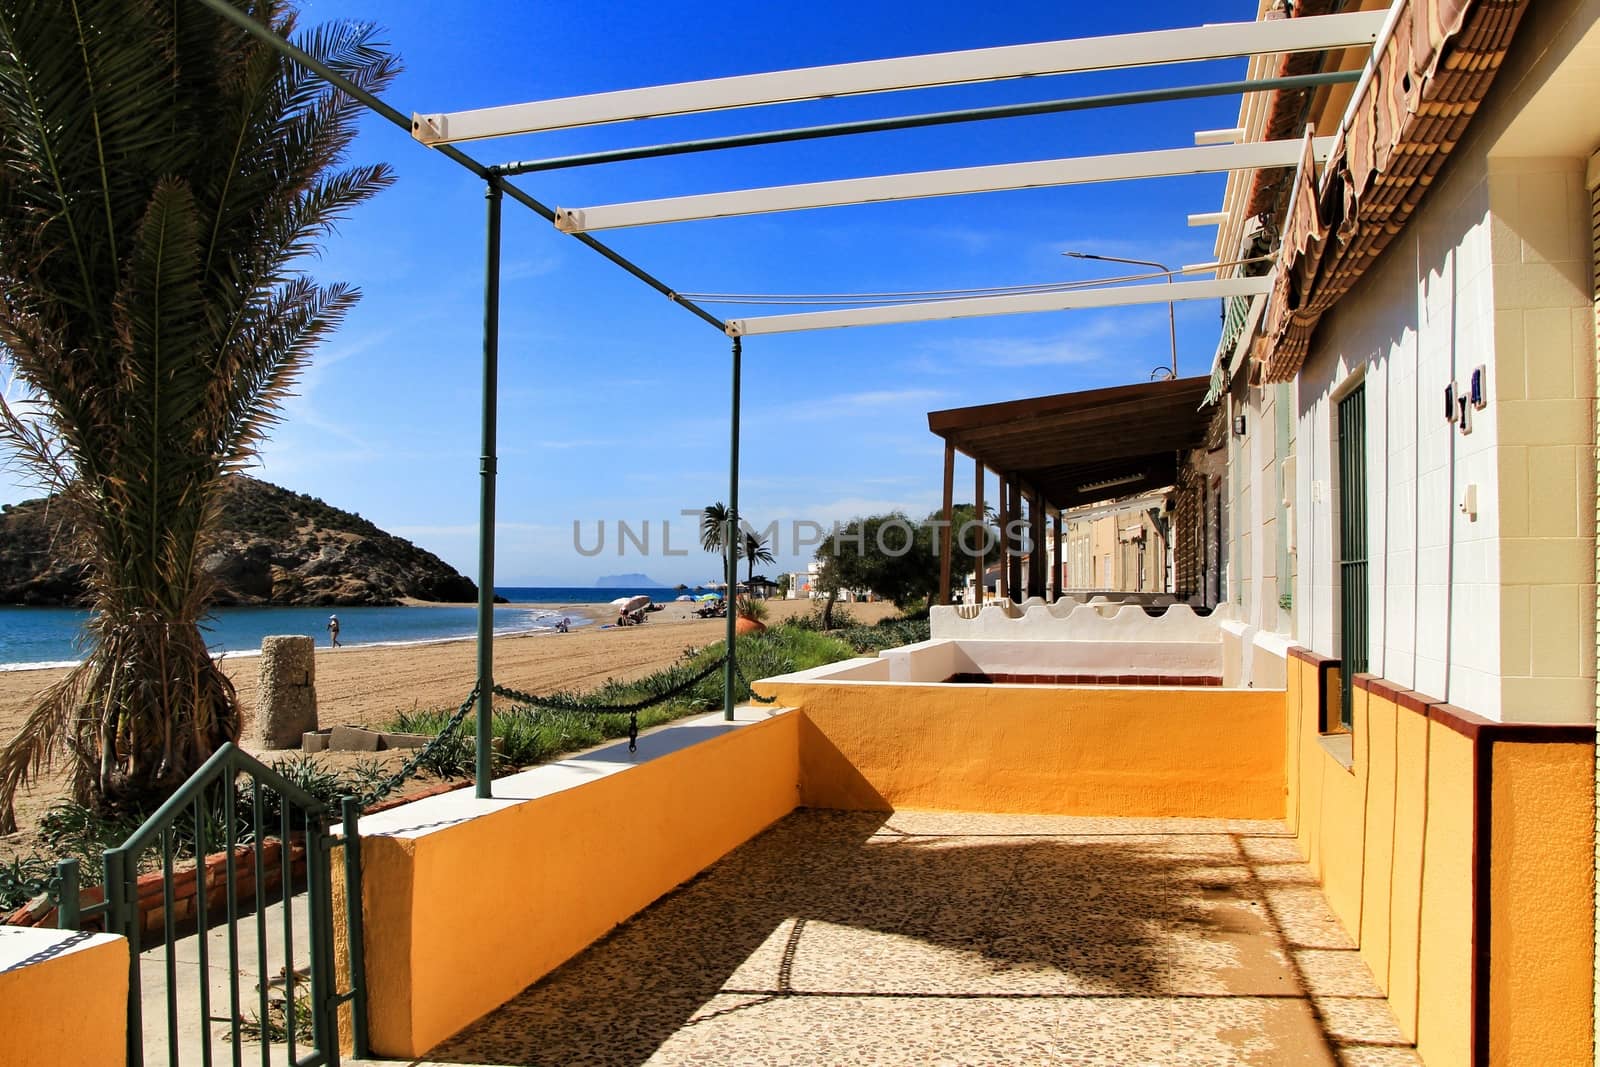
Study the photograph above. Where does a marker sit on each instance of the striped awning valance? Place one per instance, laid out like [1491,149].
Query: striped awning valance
[1427,83]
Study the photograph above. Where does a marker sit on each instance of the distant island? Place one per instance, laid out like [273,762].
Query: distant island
[628,581]
[273,546]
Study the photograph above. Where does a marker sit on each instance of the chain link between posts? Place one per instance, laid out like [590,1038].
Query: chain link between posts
[571,705]
[445,736]
[575,706]
[757,697]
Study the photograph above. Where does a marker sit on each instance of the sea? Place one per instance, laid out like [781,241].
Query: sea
[32,637]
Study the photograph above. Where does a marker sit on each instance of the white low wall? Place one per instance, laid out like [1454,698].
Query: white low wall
[1253,658]
[1067,620]
[937,660]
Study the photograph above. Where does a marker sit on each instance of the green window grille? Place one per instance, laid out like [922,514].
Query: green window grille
[1352,545]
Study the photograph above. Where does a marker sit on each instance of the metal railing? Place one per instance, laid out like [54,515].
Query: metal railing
[217,812]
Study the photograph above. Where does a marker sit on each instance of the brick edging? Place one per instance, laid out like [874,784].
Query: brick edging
[150,889]
[1472,725]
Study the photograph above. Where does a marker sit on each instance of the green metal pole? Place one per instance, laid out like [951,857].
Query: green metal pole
[486,468]
[732,543]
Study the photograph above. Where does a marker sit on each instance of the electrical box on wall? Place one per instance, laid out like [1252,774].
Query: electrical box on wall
[1461,401]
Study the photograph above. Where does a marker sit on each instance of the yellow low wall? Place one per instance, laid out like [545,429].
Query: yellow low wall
[1110,751]
[461,918]
[1542,892]
[69,1010]
[1458,855]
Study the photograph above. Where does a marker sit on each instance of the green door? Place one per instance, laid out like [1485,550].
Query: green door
[1352,544]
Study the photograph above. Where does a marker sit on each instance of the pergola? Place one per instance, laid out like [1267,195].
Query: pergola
[1060,452]
[1213,152]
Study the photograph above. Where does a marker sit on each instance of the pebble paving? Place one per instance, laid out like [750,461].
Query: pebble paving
[937,938]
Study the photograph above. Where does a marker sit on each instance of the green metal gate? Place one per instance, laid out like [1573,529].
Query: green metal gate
[1352,545]
[249,834]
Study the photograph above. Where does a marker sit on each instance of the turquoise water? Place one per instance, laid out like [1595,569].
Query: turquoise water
[39,637]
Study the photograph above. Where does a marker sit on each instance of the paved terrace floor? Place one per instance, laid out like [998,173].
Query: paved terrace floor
[928,938]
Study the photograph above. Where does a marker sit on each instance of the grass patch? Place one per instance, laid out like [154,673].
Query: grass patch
[530,735]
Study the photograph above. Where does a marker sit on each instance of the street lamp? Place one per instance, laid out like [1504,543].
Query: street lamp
[1172,320]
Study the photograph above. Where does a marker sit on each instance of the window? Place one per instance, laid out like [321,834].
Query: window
[1352,545]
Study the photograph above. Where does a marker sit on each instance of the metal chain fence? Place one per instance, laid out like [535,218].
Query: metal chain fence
[575,706]
[446,736]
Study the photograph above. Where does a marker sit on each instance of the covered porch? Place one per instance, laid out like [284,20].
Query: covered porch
[1051,454]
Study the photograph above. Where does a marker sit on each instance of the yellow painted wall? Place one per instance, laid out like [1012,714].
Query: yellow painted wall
[1294,681]
[68,1011]
[1391,840]
[1444,951]
[1042,749]
[1542,891]
[1404,904]
[1377,868]
[460,920]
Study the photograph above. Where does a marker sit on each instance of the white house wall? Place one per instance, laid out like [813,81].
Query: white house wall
[1493,614]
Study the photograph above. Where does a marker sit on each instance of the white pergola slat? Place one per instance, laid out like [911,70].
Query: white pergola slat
[1218,41]
[1122,166]
[1020,304]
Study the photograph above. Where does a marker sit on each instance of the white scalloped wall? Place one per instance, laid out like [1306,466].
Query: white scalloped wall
[939,659]
[1066,620]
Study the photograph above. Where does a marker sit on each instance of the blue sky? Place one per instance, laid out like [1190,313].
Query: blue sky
[614,401]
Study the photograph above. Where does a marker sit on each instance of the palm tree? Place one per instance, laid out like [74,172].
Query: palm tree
[163,178]
[714,527]
[756,548]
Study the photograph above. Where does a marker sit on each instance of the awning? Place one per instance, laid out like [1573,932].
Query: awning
[1236,313]
[1434,70]
[1080,448]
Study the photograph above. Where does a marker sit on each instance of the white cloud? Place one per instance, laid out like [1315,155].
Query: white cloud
[1092,339]
[882,398]
[517,270]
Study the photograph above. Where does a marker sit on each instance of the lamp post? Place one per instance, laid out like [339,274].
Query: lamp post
[1172,320]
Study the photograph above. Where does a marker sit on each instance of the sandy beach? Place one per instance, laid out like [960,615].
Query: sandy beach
[359,686]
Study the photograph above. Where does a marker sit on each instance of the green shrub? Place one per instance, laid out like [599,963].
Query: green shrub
[23,878]
[887,633]
[71,829]
[843,619]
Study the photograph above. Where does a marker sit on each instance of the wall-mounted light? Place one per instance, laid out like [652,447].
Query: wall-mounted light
[1238,425]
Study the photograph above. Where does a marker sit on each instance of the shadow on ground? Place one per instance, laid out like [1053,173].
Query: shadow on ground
[839,937]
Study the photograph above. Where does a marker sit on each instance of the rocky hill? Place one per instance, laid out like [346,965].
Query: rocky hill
[274,547]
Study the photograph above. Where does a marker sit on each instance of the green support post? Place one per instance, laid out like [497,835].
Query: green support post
[491,375]
[731,543]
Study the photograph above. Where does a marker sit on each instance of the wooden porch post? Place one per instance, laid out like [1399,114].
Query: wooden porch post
[1037,558]
[1055,567]
[1014,564]
[949,510]
[978,565]
[1003,581]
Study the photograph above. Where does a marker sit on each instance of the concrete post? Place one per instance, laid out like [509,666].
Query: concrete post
[286,700]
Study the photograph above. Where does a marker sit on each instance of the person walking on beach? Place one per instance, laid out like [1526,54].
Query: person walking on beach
[333,629]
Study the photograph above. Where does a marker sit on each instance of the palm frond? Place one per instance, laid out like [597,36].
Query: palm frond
[163,178]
